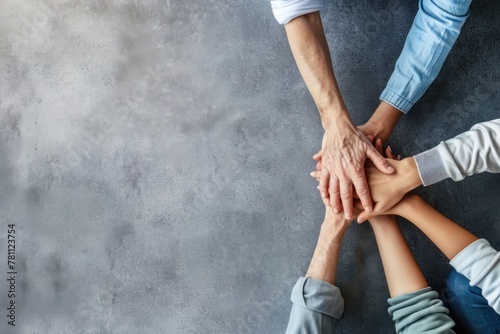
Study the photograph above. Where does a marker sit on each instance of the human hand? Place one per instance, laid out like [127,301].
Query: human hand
[386,190]
[344,152]
[382,123]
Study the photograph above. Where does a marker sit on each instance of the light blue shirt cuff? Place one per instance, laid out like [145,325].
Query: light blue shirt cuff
[434,31]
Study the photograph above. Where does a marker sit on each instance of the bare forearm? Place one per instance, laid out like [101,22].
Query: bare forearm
[447,235]
[324,262]
[310,50]
[402,272]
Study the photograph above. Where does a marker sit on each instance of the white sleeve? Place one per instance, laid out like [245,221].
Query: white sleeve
[480,263]
[472,152]
[286,10]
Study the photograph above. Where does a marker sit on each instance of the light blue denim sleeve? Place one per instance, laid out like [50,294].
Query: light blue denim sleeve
[316,307]
[434,31]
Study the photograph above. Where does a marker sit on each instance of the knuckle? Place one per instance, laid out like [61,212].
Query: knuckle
[334,191]
[346,196]
[362,191]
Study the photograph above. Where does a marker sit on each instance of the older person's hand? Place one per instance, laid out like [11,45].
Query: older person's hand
[343,156]
[386,190]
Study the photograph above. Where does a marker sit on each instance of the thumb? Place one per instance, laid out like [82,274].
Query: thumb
[363,216]
[379,161]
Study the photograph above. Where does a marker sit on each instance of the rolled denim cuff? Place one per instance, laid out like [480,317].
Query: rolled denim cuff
[396,101]
[318,296]
[286,10]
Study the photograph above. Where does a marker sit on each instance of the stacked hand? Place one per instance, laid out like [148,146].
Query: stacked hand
[386,190]
[341,164]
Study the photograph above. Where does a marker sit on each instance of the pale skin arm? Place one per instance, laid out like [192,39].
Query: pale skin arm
[402,272]
[345,148]
[323,265]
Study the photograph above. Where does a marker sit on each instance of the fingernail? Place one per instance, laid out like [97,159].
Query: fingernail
[323,194]
[312,173]
[348,217]
[336,211]
[391,169]
[368,209]
[317,187]
[390,150]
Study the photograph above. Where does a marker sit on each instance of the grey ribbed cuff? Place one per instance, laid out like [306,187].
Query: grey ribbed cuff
[430,167]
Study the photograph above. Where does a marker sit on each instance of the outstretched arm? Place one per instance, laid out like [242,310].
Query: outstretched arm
[472,152]
[345,148]
[472,257]
[448,236]
[410,293]
[317,302]
[402,272]
[324,262]
[434,31]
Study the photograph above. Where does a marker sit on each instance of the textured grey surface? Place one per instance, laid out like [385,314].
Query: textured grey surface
[155,159]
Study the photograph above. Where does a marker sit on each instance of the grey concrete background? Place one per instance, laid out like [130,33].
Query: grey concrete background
[155,159]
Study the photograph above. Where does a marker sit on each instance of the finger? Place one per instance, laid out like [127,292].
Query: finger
[335,202]
[316,175]
[388,153]
[319,165]
[370,138]
[379,146]
[364,216]
[346,197]
[379,161]
[362,190]
[323,186]
[318,155]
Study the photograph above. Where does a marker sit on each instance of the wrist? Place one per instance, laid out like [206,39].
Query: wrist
[382,224]
[323,264]
[409,173]
[384,120]
[408,205]
[335,118]
[332,233]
